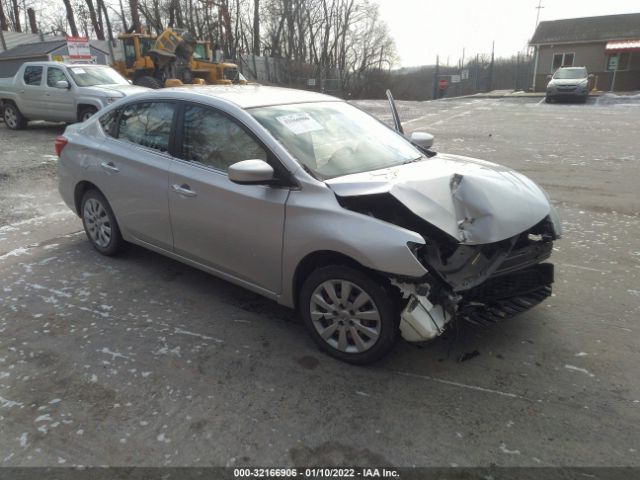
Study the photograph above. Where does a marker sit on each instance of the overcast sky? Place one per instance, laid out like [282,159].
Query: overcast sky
[423,29]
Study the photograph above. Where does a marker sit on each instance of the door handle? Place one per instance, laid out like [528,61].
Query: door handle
[183,189]
[109,167]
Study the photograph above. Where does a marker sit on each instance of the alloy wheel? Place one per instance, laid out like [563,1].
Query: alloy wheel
[345,316]
[97,221]
[10,117]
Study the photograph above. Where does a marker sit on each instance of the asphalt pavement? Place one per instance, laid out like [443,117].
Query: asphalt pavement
[140,360]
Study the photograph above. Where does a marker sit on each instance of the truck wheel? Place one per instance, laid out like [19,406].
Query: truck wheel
[13,118]
[86,113]
[149,82]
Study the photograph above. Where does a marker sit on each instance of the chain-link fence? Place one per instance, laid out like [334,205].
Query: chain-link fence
[279,71]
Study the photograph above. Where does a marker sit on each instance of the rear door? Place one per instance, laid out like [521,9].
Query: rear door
[234,229]
[31,92]
[134,168]
[60,102]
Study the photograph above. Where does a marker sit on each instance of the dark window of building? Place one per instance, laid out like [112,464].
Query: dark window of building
[562,60]
[33,75]
[618,61]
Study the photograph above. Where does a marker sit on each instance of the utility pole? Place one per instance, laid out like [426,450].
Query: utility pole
[493,49]
[517,70]
[436,74]
[539,7]
[536,49]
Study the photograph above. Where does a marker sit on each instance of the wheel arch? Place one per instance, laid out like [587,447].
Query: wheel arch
[81,188]
[322,258]
[84,106]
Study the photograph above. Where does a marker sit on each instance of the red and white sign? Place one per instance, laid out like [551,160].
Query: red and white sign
[78,47]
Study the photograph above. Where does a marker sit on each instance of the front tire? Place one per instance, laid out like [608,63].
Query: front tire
[349,315]
[86,113]
[100,224]
[13,119]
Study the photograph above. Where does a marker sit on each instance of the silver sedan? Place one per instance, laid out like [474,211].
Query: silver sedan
[309,201]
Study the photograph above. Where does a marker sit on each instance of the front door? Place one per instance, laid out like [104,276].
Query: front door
[234,229]
[60,102]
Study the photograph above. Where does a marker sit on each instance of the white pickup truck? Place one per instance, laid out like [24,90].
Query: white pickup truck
[58,92]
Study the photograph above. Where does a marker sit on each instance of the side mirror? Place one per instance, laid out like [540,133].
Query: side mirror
[130,82]
[422,139]
[62,84]
[591,75]
[549,77]
[251,172]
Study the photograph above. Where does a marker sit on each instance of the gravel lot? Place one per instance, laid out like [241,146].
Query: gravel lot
[140,360]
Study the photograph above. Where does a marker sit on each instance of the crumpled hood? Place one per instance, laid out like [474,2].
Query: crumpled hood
[474,201]
[115,90]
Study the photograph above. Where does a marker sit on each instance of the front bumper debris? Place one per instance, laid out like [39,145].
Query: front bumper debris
[498,298]
[421,320]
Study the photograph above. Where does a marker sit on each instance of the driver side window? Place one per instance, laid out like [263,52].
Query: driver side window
[55,75]
[213,139]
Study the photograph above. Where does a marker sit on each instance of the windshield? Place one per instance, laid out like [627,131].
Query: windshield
[86,76]
[233,74]
[334,138]
[200,51]
[570,73]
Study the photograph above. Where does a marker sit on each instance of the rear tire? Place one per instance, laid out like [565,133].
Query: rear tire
[100,224]
[349,315]
[148,81]
[13,119]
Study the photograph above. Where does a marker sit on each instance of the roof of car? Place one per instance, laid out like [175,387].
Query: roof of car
[53,63]
[250,96]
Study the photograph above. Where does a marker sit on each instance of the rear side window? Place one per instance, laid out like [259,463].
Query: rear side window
[213,139]
[33,75]
[147,124]
[108,122]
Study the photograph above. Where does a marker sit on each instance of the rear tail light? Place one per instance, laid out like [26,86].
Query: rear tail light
[61,142]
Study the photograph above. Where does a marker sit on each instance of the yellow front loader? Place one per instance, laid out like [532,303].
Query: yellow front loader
[174,57]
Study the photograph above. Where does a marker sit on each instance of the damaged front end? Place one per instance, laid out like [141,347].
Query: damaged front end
[483,271]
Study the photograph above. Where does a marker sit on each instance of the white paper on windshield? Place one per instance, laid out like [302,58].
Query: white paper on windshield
[299,123]
[78,70]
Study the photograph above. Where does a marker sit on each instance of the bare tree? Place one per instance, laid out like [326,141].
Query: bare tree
[256,27]
[103,10]
[33,25]
[16,16]
[134,10]
[3,18]
[97,25]
[70,18]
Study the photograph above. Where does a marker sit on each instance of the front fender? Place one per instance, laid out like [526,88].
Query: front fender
[316,222]
[89,101]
